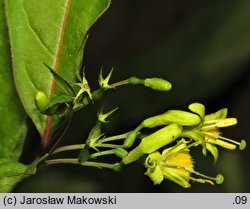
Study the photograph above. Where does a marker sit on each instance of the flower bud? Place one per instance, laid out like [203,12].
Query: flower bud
[180,117]
[160,138]
[41,100]
[120,152]
[158,84]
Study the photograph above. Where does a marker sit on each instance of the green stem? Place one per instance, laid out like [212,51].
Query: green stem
[81,146]
[61,161]
[69,147]
[114,138]
[109,145]
[120,83]
[102,153]
[76,161]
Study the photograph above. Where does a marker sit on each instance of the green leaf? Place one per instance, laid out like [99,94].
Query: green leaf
[61,81]
[12,115]
[58,104]
[11,173]
[51,32]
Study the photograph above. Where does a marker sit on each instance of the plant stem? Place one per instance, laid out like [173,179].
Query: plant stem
[102,153]
[69,147]
[76,161]
[61,161]
[114,138]
[109,145]
[120,83]
[81,146]
[65,128]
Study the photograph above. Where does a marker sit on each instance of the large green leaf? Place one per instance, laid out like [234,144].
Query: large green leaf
[51,32]
[12,115]
[12,172]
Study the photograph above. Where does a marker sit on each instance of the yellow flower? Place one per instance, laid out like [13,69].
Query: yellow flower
[175,164]
[208,133]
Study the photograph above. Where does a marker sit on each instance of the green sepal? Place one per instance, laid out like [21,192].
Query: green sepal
[84,87]
[180,117]
[67,88]
[104,83]
[91,142]
[102,117]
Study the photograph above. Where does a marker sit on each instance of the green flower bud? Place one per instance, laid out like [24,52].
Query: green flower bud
[41,100]
[158,84]
[120,152]
[160,138]
[180,117]
[130,139]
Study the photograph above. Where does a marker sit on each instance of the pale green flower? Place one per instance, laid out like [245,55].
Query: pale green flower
[175,164]
[208,132]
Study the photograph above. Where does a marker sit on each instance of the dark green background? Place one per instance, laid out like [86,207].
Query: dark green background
[202,47]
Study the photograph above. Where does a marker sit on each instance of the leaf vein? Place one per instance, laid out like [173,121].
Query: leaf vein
[33,29]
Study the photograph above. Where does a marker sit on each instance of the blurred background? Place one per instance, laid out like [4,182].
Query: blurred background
[203,48]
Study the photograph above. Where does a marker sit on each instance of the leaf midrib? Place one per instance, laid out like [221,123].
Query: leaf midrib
[48,125]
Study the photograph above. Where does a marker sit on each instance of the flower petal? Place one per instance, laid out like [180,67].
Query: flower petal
[220,114]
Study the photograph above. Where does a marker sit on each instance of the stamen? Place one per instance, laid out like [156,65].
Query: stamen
[202,180]
[226,122]
[223,144]
[241,144]
[220,123]
[218,179]
[230,140]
